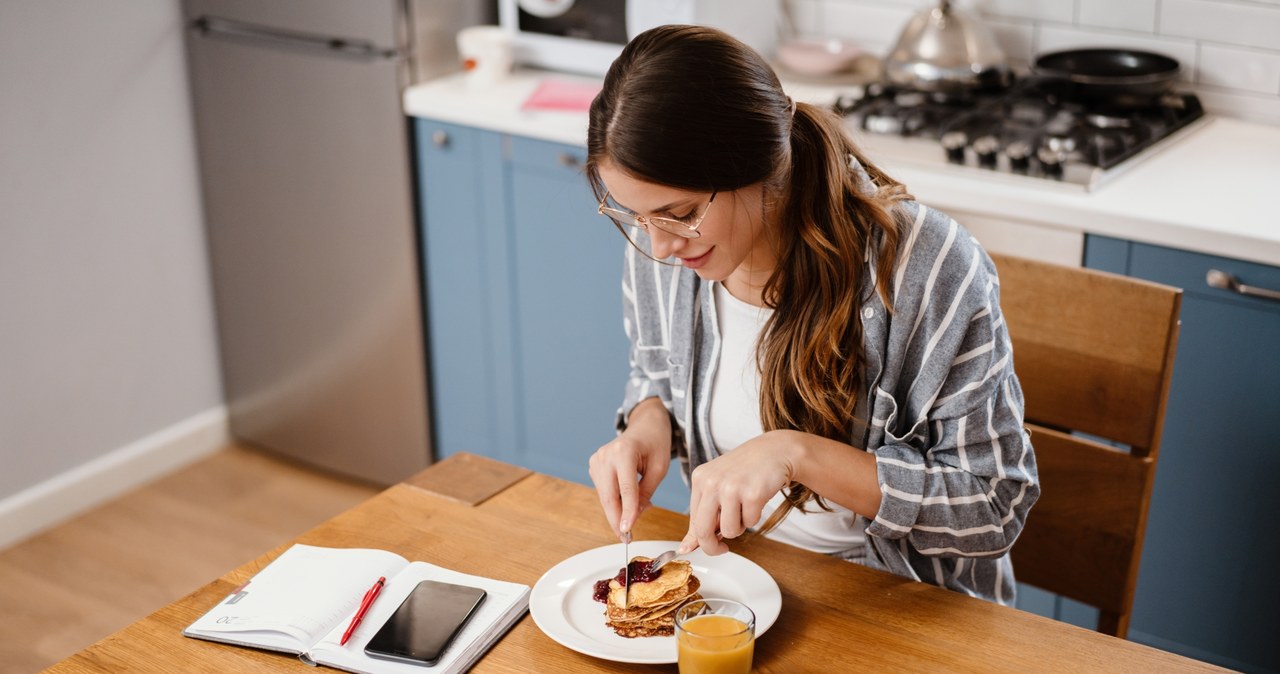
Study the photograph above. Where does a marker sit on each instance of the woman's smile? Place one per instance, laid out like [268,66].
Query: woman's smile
[696,262]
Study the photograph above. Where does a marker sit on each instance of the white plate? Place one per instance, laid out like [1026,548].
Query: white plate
[562,607]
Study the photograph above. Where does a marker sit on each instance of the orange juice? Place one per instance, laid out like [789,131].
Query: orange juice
[715,644]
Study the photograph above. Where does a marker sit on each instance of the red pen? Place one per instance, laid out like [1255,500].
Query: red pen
[364,608]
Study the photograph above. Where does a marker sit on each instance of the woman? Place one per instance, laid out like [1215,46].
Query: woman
[825,356]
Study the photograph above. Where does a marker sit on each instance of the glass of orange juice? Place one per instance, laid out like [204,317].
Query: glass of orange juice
[715,636]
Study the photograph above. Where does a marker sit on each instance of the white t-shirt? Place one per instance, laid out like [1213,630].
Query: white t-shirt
[735,419]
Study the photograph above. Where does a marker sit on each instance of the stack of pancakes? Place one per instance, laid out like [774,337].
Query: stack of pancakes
[652,606]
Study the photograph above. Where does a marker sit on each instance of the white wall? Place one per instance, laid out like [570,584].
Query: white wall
[106,321]
[1229,49]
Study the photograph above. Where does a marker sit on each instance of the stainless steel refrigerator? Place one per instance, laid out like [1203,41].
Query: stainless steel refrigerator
[306,167]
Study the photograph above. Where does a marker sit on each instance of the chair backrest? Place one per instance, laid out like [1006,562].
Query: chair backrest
[1094,354]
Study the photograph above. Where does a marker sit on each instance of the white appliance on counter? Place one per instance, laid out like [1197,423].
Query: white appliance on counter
[585,36]
[309,206]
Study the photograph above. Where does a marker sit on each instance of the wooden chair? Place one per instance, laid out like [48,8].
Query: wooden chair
[1094,353]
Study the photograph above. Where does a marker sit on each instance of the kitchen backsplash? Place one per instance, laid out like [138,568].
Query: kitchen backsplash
[1229,49]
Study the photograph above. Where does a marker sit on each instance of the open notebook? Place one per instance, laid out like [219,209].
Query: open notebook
[303,601]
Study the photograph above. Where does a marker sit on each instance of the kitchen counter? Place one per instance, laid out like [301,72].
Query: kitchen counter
[1214,190]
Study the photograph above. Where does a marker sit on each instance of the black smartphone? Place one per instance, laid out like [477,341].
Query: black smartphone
[422,627]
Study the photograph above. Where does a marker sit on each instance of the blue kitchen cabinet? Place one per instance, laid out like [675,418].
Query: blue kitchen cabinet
[571,349]
[1208,586]
[462,231]
[522,280]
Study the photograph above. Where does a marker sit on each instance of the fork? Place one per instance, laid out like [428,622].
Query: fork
[670,555]
[662,559]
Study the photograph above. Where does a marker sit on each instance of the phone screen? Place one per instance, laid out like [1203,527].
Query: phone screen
[422,627]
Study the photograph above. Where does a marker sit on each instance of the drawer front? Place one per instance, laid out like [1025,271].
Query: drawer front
[546,155]
[1024,239]
[1188,271]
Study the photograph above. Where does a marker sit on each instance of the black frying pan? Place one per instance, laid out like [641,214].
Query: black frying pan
[1123,76]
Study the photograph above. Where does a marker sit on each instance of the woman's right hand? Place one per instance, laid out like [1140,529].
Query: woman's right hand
[628,470]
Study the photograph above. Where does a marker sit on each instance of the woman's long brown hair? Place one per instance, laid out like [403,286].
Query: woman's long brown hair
[692,108]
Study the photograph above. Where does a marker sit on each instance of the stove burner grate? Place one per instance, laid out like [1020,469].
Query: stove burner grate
[1022,130]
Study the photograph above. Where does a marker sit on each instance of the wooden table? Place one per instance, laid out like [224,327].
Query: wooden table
[836,616]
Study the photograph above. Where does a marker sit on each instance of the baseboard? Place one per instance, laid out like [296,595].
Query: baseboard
[91,484]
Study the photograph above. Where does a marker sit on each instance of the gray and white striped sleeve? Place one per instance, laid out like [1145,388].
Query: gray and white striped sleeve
[956,469]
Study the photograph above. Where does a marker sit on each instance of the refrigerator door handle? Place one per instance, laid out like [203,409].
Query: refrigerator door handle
[239,31]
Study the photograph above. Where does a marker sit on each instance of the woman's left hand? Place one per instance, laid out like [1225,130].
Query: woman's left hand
[730,492]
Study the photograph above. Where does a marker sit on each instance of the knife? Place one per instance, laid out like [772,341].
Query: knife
[626,570]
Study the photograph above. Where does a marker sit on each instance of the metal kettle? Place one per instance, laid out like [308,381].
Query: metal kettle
[945,49]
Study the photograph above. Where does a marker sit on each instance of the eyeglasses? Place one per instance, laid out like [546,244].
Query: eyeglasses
[680,228]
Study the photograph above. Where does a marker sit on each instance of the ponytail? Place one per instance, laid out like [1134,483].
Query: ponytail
[811,352]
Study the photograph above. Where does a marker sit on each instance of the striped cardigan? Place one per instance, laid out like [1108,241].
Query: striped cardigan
[954,463]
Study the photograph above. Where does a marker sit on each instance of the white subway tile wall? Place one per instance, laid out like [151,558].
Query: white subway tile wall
[1017,39]
[1135,15]
[1035,10]
[1229,49]
[1240,68]
[1248,25]
[872,26]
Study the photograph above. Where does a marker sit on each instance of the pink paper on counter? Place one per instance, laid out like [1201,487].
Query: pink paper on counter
[554,94]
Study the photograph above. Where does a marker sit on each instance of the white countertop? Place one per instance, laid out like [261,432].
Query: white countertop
[1215,190]
[497,106]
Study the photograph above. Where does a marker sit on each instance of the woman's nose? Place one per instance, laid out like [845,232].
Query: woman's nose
[665,244]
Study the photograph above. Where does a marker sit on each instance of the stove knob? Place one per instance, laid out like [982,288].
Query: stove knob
[1051,161]
[1019,154]
[954,142]
[986,148]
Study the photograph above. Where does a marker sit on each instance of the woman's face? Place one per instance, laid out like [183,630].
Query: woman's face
[733,242]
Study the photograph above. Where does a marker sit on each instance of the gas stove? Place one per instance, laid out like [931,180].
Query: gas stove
[1025,133]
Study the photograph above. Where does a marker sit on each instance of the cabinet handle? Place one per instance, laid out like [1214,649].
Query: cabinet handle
[440,138]
[226,29]
[1226,281]
[568,160]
